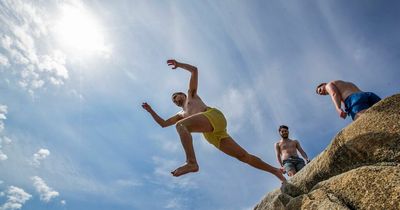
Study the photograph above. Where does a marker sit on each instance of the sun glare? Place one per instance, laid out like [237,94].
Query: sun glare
[79,31]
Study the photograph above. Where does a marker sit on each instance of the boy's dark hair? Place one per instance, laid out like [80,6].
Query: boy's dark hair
[177,93]
[283,126]
[316,89]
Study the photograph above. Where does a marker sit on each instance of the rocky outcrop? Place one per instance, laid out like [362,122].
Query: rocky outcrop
[360,169]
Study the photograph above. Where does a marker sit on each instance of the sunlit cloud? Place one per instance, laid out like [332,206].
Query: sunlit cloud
[16,198]
[46,193]
[26,62]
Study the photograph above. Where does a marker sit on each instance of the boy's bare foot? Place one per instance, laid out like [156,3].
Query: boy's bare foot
[187,168]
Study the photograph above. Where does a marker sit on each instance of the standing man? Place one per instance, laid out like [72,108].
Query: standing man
[355,101]
[197,117]
[286,150]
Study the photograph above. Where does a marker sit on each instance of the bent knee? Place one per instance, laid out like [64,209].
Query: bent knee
[181,126]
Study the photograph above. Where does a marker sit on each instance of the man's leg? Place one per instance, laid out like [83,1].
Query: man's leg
[300,165]
[230,147]
[290,169]
[194,123]
[291,173]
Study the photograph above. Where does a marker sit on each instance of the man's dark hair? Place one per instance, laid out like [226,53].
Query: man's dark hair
[283,127]
[316,89]
[177,93]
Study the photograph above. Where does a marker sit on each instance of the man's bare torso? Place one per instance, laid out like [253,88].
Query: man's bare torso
[193,105]
[288,148]
[346,88]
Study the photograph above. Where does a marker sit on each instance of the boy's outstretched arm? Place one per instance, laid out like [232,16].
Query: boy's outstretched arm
[194,75]
[163,123]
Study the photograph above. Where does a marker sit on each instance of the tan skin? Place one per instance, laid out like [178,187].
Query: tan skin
[339,90]
[286,148]
[190,120]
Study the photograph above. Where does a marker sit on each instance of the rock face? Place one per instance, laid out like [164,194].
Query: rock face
[360,169]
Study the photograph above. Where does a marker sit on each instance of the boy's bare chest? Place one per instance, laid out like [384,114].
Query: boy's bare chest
[287,145]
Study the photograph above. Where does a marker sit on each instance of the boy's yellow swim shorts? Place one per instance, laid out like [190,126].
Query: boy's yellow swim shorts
[218,121]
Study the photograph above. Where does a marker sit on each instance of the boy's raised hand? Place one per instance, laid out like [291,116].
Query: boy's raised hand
[172,63]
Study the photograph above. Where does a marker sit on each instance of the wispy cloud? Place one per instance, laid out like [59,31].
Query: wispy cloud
[162,172]
[3,112]
[240,107]
[40,155]
[4,61]
[30,65]
[170,145]
[174,203]
[128,183]
[4,140]
[16,198]
[46,193]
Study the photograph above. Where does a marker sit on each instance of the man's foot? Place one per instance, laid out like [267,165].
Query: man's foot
[187,168]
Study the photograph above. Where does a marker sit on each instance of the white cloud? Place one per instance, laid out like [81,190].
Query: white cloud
[46,193]
[30,64]
[54,63]
[3,156]
[3,112]
[3,140]
[63,202]
[4,61]
[6,140]
[40,155]
[173,204]
[16,197]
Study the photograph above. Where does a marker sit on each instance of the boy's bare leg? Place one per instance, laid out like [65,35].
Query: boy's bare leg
[230,147]
[194,123]
[291,173]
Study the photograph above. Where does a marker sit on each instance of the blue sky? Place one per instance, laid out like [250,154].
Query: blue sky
[74,73]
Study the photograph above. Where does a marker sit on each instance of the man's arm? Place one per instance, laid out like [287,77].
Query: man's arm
[163,123]
[298,147]
[278,154]
[336,98]
[194,75]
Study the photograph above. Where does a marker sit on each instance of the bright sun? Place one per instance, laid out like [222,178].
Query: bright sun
[79,31]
